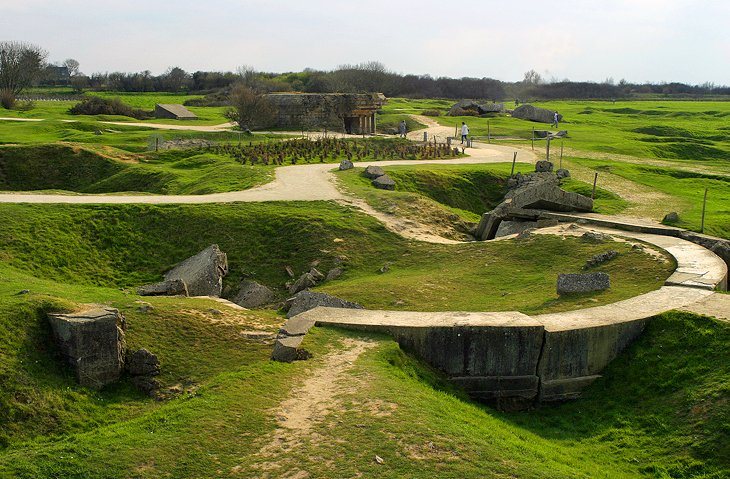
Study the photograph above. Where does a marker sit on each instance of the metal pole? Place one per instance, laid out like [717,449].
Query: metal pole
[533,138]
[514,160]
[595,179]
[704,204]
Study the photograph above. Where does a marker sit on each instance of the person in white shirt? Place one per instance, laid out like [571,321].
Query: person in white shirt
[464,132]
[555,119]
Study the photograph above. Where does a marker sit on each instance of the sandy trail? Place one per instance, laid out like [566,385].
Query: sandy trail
[306,407]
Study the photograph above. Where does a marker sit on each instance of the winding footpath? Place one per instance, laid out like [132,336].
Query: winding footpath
[316,182]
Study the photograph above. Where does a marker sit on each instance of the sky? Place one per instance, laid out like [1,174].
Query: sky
[591,40]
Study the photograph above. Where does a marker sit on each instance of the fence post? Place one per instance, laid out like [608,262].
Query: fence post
[547,149]
[704,204]
[514,160]
[595,179]
[157,144]
[533,138]
[489,134]
[561,153]
[425,136]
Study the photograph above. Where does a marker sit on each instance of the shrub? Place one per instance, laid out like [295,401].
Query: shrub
[7,99]
[102,106]
[431,113]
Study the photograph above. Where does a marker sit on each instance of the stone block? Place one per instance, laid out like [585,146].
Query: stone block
[544,166]
[533,113]
[373,172]
[384,182]
[142,363]
[173,287]
[92,343]
[582,282]
[346,165]
[306,300]
[202,273]
[252,294]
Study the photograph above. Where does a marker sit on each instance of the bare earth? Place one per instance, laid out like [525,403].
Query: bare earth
[306,407]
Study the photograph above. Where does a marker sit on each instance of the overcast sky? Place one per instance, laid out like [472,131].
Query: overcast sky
[638,40]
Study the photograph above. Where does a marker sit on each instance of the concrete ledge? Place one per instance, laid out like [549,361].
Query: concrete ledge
[493,387]
[514,359]
[564,389]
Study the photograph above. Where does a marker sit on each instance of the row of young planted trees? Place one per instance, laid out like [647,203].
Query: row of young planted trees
[324,150]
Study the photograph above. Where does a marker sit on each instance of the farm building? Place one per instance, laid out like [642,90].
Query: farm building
[175,112]
[353,113]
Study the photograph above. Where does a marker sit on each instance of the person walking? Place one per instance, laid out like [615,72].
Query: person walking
[402,128]
[464,132]
[555,119]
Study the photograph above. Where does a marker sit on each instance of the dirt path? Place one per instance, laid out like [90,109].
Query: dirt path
[306,407]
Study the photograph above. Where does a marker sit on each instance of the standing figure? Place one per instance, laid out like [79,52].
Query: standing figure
[555,119]
[402,128]
[464,132]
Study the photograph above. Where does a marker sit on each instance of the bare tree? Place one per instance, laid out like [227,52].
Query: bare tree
[20,65]
[72,66]
[249,109]
[532,78]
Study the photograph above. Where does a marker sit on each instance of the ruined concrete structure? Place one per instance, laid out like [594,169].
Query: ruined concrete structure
[529,195]
[353,113]
[174,112]
[92,343]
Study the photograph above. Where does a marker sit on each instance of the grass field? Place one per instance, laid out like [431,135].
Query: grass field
[659,411]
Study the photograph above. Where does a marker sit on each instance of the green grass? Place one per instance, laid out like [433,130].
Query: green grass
[674,130]
[59,110]
[134,139]
[67,168]
[687,185]
[671,423]
[110,246]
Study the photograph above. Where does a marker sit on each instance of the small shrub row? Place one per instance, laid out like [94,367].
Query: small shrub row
[102,106]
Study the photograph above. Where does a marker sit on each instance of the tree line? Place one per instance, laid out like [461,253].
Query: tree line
[23,65]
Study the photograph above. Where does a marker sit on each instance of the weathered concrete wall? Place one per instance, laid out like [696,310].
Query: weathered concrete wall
[351,112]
[572,359]
[92,343]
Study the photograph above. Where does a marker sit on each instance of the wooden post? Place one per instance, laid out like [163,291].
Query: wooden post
[547,149]
[595,180]
[561,153]
[704,204]
[533,138]
[456,131]
[157,144]
[489,135]
[514,160]
[425,137]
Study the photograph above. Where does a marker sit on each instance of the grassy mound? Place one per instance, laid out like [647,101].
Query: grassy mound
[64,167]
[125,246]
[667,424]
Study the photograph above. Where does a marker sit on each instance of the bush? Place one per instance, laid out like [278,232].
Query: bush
[431,113]
[102,106]
[7,99]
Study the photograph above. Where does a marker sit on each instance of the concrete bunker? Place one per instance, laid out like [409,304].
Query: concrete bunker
[352,113]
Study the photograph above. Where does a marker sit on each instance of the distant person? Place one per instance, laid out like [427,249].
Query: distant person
[402,129]
[464,132]
[555,120]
